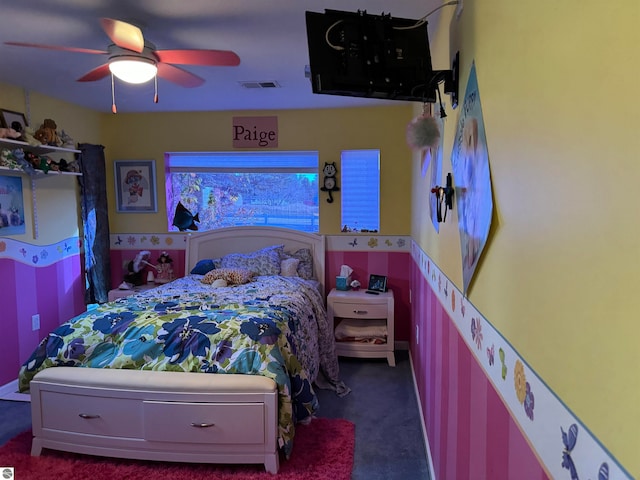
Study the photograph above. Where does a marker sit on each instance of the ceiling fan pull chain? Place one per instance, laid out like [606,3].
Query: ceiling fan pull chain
[155,83]
[113,96]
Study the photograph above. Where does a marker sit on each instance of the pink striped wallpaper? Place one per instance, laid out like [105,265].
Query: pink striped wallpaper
[54,291]
[471,432]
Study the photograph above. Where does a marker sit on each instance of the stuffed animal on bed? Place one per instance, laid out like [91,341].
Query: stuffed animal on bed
[232,276]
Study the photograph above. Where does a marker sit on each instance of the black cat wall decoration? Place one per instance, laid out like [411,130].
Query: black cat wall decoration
[330,183]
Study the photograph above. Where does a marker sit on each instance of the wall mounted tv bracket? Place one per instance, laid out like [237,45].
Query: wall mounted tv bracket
[451,79]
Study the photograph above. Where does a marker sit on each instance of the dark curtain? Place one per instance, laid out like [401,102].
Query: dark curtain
[95,219]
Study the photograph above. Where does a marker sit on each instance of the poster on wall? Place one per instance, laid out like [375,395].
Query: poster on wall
[473,195]
[436,176]
[11,206]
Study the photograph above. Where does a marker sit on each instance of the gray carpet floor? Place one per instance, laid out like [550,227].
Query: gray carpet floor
[382,405]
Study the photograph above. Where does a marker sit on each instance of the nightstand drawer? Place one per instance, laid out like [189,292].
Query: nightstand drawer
[353,310]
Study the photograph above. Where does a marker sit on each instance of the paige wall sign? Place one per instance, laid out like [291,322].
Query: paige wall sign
[255,132]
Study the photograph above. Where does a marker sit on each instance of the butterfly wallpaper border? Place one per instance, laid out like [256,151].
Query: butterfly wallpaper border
[564,445]
[129,241]
[39,255]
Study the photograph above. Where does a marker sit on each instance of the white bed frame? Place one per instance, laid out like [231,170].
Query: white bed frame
[220,242]
[170,416]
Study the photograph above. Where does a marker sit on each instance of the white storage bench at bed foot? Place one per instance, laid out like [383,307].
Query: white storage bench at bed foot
[149,415]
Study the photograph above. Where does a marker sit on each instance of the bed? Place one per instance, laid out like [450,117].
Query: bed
[194,370]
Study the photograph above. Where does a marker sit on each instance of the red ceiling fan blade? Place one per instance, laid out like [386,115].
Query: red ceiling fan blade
[223,58]
[97,73]
[179,76]
[123,34]
[56,47]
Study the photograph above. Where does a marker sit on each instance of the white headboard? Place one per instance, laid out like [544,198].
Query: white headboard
[222,241]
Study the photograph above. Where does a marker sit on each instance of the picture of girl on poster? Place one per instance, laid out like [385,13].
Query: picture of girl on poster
[135,184]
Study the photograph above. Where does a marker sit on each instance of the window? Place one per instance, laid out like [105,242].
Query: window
[278,189]
[360,190]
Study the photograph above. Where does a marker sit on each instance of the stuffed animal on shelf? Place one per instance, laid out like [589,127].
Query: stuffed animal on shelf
[330,184]
[8,158]
[47,133]
[28,135]
[164,268]
[9,133]
[66,140]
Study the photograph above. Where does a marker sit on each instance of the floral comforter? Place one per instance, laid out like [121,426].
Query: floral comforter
[273,326]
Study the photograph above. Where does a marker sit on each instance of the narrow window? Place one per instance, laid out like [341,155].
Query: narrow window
[360,190]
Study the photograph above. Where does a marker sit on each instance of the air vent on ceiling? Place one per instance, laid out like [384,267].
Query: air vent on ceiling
[271,84]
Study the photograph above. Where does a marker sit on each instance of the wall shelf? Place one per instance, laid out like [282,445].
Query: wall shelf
[37,149]
[38,174]
[11,144]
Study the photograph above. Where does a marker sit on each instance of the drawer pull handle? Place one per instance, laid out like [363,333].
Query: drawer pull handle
[360,312]
[88,416]
[202,425]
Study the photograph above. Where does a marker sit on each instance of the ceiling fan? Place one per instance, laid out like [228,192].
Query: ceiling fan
[135,60]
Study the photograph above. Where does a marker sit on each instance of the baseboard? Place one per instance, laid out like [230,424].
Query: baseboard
[9,391]
[432,473]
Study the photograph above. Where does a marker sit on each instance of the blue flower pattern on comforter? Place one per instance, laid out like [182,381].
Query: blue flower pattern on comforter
[274,326]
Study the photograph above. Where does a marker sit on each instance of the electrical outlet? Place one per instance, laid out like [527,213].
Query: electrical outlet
[35,322]
[417,334]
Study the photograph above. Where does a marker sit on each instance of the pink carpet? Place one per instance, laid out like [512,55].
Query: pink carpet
[323,450]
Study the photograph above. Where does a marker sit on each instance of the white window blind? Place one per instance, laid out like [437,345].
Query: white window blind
[360,190]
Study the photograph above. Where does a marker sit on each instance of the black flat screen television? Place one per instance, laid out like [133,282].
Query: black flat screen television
[373,56]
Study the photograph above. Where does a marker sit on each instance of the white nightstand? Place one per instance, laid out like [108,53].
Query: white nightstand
[117,293]
[357,304]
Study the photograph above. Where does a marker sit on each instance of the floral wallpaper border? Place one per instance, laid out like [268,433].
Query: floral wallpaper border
[358,243]
[132,241]
[368,243]
[562,442]
[39,255]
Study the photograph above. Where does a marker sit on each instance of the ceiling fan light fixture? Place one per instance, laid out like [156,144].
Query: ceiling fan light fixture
[133,69]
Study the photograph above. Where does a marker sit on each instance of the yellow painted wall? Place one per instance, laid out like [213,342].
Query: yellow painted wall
[56,197]
[560,272]
[149,136]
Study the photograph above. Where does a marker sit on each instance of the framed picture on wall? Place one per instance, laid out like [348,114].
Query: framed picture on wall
[11,119]
[11,206]
[135,186]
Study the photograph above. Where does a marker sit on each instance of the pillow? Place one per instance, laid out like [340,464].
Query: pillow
[235,276]
[305,267]
[261,262]
[203,266]
[289,267]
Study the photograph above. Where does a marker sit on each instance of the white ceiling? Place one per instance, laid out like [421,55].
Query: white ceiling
[268,35]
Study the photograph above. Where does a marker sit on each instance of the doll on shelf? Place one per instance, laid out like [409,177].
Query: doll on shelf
[164,268]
